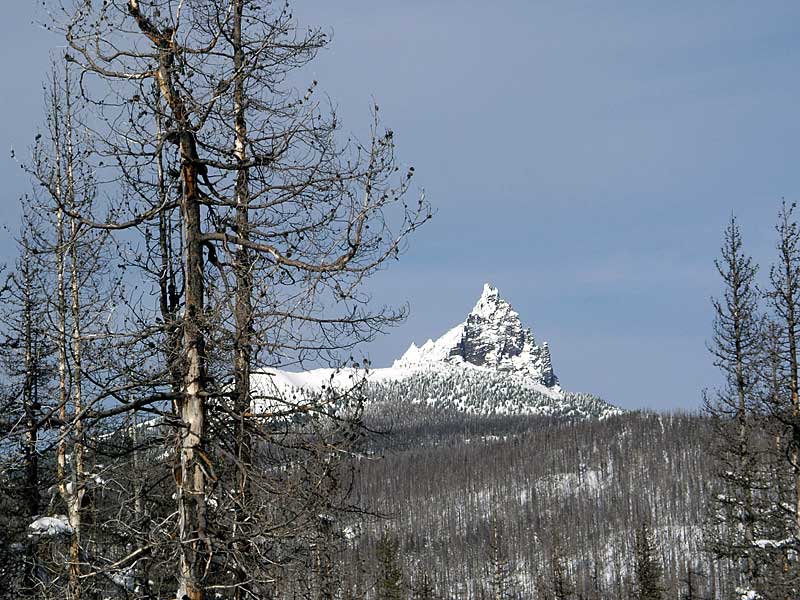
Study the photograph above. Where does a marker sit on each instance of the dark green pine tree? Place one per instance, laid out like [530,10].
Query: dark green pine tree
[647,566]
[390,584]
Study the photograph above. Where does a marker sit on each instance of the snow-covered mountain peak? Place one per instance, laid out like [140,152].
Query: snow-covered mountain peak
[492,309]
[489,295]
[487,365]
[492,337]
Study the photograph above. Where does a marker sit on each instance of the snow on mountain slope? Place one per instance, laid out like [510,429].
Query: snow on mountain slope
[489,364]
[492,337]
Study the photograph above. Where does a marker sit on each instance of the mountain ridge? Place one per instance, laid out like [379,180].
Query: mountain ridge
[487,365]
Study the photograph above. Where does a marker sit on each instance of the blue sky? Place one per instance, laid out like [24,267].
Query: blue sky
[582,157]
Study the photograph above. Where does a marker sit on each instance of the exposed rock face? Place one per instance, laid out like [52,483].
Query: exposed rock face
[487,365]
[491,337]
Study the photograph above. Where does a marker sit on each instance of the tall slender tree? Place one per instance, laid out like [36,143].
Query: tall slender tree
[737,350]
[269,220]
[648,567]
[72,260]
[390,584]
[26,360]
[782,399]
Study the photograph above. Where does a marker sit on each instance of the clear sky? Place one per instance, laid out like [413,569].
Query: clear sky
[583,157]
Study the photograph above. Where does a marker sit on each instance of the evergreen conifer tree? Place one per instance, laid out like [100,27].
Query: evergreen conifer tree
[647,566]
[390,584]
[502,575]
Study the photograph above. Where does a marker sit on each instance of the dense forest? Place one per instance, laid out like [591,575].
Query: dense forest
[553,504]
[451,391]
[457,504]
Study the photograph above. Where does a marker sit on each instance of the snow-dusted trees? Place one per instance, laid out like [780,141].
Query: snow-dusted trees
[754,509]
[582,486]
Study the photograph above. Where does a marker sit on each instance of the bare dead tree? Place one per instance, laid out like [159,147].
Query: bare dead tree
[785,297]
[77,292]
[737,350]
[278,219]
[753,512]
[26,357]
[783,401]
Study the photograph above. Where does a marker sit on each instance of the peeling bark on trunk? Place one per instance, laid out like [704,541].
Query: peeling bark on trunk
[191,492]
[79,490]
[195,547]
[67,482]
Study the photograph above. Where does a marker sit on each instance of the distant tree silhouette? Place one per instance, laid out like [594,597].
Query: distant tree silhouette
[423,588]
[647,565]
[391,583]
[501,581]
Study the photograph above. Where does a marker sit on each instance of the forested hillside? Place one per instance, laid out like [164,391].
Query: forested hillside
[453,391]
[549,506]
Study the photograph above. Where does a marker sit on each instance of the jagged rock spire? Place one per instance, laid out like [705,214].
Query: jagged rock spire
[491,337]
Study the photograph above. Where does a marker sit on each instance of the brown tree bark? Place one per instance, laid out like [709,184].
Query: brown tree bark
[243,265]
[195,546]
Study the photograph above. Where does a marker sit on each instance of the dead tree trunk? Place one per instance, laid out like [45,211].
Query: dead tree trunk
[243,310]
[192,480]
[785,278]
[195,546]
[67,476]
[79,490]
[30,401]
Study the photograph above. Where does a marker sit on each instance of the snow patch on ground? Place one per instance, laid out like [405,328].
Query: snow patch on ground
[568,484]
[277,382]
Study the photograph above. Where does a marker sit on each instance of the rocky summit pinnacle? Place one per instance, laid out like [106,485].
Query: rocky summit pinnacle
[488,365]
[492,337]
